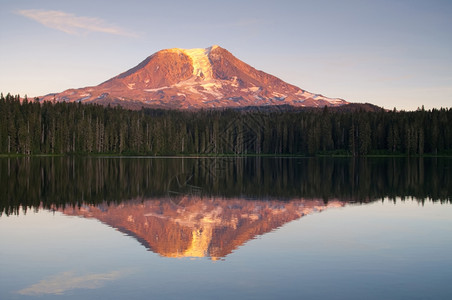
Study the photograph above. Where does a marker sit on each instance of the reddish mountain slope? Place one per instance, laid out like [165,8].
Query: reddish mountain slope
[194,78]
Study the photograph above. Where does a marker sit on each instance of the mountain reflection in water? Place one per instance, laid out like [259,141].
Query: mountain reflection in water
[198,227]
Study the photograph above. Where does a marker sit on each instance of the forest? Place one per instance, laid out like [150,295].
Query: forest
[30,127]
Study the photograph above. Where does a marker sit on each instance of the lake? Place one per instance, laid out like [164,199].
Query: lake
[225,228]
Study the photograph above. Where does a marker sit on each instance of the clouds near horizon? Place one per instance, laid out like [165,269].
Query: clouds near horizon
[72,24]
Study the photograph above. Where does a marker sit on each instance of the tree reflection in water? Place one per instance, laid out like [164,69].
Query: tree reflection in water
[59,181]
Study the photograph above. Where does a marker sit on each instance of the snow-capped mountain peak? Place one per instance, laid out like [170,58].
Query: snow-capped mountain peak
[195,78]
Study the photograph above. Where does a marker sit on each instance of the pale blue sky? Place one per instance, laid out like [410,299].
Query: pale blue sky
[393,53]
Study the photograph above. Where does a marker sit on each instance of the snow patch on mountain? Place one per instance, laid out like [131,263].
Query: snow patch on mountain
[157,89]
[201,62]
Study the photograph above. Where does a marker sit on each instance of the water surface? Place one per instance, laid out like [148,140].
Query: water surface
[256,228]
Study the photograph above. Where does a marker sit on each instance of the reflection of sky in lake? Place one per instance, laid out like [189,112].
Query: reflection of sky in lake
[67,281]
[373,251]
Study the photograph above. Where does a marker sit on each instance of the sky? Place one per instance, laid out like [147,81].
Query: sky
[391,53]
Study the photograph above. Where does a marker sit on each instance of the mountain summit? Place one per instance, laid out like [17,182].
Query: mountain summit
[191,79]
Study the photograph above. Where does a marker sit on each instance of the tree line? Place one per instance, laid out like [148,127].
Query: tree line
[31,127]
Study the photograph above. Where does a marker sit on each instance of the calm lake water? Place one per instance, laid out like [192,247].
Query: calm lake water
[225,228]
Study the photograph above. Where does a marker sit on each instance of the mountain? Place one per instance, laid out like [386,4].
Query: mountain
[192,79]
[199,227]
